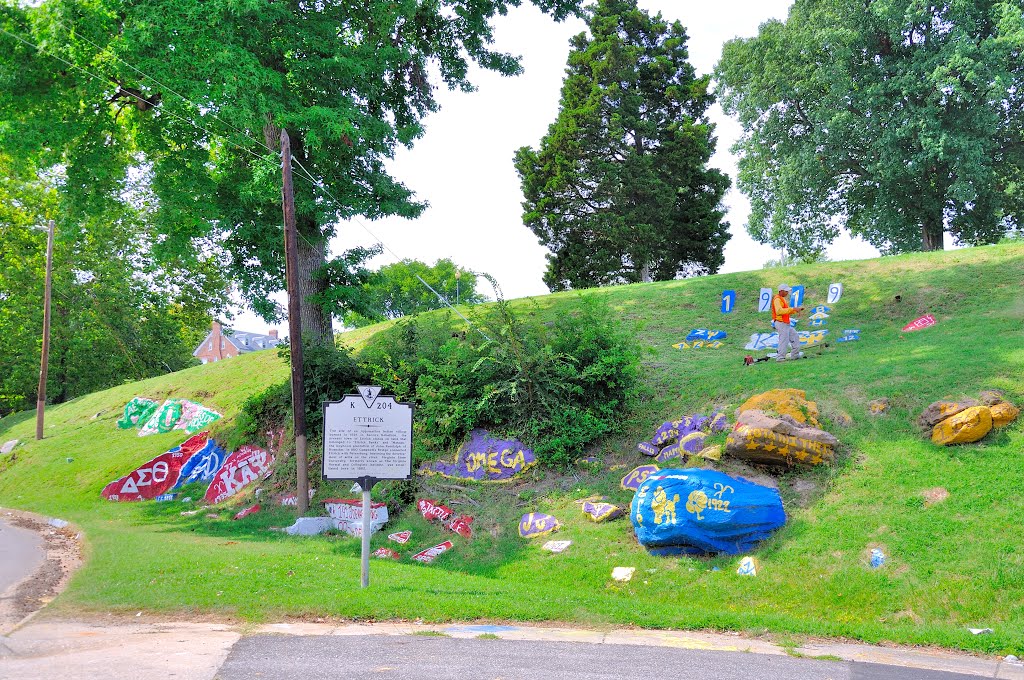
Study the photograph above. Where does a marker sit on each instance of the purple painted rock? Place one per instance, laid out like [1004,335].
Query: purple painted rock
[637,476]
[666,434]
[668,453]
[692,443]
[602,512]
[534,524]
[486,459]
[698,422]
[647,448]
[718,423]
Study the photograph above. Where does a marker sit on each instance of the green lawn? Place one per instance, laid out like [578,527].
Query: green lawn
[952,565]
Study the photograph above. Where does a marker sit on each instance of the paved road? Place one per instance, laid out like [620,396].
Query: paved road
[319,657]
[21,553]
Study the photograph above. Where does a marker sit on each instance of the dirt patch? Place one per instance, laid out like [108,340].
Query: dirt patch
[934,496]
[63,555]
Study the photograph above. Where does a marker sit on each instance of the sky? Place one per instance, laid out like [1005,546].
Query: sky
[462,166]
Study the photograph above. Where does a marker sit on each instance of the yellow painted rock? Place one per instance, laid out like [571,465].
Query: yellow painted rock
[965,427]
[941,410]
[784,402]
[1003,414]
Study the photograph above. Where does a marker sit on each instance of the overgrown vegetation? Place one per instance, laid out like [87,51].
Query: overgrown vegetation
[559,386]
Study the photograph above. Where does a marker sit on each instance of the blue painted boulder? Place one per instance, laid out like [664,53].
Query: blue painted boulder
[688,511]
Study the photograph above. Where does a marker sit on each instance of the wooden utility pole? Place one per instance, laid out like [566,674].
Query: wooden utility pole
[44,363]
[294,326]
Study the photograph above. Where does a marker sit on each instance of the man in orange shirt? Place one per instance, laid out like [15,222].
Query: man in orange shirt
[781,312]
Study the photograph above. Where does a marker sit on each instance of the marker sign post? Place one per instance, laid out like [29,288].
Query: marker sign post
[367,438]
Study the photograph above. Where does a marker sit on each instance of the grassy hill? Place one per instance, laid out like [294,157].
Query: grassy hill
[952,565]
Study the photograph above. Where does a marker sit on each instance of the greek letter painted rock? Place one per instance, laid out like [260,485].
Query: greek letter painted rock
[461,526]
[487,459]
[760,438]
[400,537]
[965,427]
[636,476]
[204,460]
[156,477]
[534,524]
[704,510]
[137,412]
[432,510]
[601,512]
[347,514]
[240,469]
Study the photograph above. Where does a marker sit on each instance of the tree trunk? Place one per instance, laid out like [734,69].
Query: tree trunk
[312,252]
[931,235]
[312,256]
[645,273]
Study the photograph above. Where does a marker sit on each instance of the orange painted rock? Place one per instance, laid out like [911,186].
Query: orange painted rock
[878,406]
[1003,414]
[965,427]
[787,402]
[940,410]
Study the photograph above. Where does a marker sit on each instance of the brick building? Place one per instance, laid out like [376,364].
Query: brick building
[224,343]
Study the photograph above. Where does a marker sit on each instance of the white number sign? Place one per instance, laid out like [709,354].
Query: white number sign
[835,291]
[764,301]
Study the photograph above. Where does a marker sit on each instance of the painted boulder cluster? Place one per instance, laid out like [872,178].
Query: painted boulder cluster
[967,420]
[174,414]
[702,338]
[198,459]
[682,438]
[486,459]
[703,511]
[761,438]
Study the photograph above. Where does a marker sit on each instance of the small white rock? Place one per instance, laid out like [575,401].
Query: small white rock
[623,574]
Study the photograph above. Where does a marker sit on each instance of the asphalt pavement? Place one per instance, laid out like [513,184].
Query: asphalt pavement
[414,657]
[21,553]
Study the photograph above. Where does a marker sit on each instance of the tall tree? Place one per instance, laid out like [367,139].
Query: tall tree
[396,290]
[620,189]
[898,120]
[350,81]
[116,315]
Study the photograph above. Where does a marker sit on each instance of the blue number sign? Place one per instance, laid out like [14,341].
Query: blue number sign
[728,301]
[764,301]
[835,291]
[796,296]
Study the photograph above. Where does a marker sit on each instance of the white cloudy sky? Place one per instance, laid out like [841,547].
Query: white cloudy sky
[463,164]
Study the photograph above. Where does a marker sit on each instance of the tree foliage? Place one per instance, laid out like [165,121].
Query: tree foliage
[116,315]
[897,120]
[619,189]
[396,290]
[349,81]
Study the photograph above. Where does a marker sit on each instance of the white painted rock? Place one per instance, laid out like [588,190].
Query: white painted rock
[8,446]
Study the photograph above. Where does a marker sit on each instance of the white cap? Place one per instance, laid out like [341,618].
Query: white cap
[784,287]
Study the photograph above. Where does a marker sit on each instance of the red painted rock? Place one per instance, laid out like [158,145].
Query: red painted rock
[461,526]
[430,554]
[386,553]
[242,468]
[347,514]
[917,324]
[156,477]
[432,510]
[248,511]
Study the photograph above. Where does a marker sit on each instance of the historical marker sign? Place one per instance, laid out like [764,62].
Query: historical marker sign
[367,436]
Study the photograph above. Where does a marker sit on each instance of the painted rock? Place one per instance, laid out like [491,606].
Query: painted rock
[965,427]
[400,537]
[919,323]
[205,458]
[386,553]
[717,423]
[991,397]
[556,546]
[137,412]
[692,443]
[704,511]
[248,511]
[788,402]
[878,406]
[430,554]
[240,469]
[8,446]
[636,476]
[486,459]
[534,524]
[602,512]
[647,448]
[940,410]
[461,526]
[347,514]
[164,418]
[1003,413]
[668,453]
[760,438]
[432,510]
[310,526]
[149,480]
[711,453]
[667,433]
